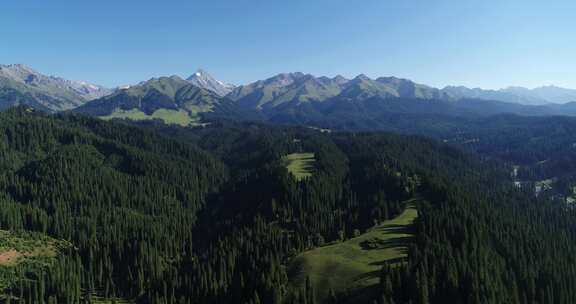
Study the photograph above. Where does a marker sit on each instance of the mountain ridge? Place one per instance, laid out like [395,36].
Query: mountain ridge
[171,99]
[295,97]
[51,92]
[204,80]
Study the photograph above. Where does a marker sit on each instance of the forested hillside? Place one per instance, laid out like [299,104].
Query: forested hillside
[218,214]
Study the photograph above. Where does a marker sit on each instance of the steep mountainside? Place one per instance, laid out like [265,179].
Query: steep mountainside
[297,88]
[292,88]
[204,80]
[170,99]
[391,113]
[362,103]
[289,91]
[20,84]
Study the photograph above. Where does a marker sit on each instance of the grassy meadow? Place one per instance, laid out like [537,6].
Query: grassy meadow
[174,117]
[354,265]
[300,164]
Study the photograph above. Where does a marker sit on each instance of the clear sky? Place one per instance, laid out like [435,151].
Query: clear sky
[487,43]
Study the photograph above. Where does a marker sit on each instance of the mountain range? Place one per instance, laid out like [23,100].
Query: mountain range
[191,214]
[295,98]
[286,98]
[295,89]
[170,99]
[20,84]
[537,96]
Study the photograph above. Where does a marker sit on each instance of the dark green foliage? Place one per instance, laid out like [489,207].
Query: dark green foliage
[214,216]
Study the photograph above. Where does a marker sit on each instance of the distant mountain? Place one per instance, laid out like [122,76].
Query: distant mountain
[552,94]
[294,98]
[289,90]
[170,99]
[537,96]
[204,80]
[394,114]
[293,88]
[404,88]
[364,103]
[389,87]
[20,84]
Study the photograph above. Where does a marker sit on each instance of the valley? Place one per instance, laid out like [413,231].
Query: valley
[288,152]
[334,190]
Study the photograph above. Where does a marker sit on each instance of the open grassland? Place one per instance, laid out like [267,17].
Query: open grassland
[300,164]
[354,265]
[174,117]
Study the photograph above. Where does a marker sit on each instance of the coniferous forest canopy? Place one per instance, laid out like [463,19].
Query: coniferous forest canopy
[214,215]
[288,152]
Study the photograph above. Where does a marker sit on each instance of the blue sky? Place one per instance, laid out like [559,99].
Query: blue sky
[489,43]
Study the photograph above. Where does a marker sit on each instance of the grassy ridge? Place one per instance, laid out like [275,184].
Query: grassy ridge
[300,164]
[355,264]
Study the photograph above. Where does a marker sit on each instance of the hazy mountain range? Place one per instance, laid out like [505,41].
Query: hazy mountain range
[537,96]
[287,97]
[20,84]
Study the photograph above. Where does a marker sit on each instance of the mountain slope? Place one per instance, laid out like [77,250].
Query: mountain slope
[389,113]
[459,92]
[361,103]
[287,91]
[296,88]
[537,96]
[23,85]
[284,88]
[552,94]
[204,80]
[192,222]
[170,99]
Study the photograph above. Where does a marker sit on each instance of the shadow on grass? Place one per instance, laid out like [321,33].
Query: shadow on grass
[390,261]
[361,295]
[379,244]
[398,229]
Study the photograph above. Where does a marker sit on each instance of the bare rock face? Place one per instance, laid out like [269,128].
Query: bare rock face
[204,80]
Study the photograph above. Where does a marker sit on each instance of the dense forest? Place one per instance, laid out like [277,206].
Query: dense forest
[214,215]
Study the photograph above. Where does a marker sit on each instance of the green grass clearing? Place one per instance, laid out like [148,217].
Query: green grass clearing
[300,164]
[25,252]
[174,117]
[355,264]
[20,247]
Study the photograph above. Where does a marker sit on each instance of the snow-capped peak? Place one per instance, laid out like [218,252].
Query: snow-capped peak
[204,80]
